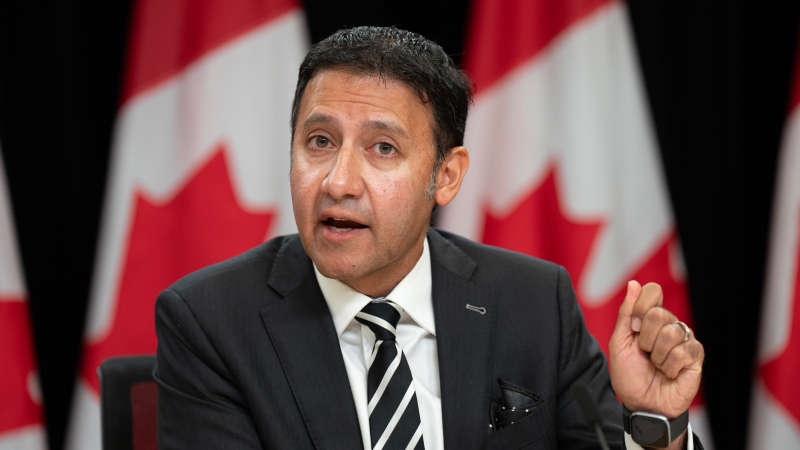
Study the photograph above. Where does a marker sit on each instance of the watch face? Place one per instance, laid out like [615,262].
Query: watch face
[650,430]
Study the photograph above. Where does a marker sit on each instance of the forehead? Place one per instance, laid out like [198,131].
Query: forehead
[348,95]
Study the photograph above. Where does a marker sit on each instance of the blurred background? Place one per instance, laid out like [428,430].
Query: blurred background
[717,79]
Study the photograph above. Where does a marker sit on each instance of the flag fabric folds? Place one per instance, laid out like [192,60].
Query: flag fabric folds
[564,160]
[199,166]
[775,405]
[21,415]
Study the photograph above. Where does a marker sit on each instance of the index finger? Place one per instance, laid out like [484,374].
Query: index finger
[651,296]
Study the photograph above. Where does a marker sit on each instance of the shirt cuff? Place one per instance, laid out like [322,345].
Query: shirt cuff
[630,445]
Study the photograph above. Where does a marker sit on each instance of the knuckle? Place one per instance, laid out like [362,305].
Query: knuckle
[697,352]
[672,371]
[652,286]
[676,332]
[658,357]
[656,316]
[653,290]
[673,365]
[646,344]
[679,352]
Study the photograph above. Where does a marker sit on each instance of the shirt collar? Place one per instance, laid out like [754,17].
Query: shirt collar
[413,294]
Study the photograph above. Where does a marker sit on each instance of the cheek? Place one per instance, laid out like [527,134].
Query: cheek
[302,175]
[390,190]
[399,196]
[302,189]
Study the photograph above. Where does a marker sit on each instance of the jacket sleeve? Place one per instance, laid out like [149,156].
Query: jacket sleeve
[199,406]
[582,362]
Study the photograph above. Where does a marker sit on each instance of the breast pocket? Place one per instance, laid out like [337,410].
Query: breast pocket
[535,431]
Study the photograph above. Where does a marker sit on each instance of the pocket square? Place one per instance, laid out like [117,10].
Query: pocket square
[518,403]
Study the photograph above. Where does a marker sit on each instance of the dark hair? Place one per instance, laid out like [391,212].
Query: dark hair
[400,55]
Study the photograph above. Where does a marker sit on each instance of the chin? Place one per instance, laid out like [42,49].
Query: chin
[337,270]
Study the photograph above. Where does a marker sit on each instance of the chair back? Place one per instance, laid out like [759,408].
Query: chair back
[128,403]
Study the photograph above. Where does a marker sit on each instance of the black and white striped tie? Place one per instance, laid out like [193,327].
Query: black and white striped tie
[393,412]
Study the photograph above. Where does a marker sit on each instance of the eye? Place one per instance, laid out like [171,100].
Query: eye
[384,149]
[320,141]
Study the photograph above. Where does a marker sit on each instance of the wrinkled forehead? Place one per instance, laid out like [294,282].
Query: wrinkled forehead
[363,76]
[381,77]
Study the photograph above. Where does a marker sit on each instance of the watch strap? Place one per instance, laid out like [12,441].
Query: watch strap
[676,426]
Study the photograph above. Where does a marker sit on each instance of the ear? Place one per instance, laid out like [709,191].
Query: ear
[451,174]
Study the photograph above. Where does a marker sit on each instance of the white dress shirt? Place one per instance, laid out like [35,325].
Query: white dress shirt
[416,334]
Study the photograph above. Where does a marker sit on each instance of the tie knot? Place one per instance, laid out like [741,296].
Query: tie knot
[381,318]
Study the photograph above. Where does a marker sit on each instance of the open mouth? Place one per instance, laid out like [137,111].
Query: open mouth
[342,224]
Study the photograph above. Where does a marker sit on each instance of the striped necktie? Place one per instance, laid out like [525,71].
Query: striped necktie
[394,422]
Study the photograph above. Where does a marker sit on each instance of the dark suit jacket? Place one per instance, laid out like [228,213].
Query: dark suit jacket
[248,356]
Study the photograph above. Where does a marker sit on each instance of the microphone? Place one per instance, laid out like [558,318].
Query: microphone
[591,411]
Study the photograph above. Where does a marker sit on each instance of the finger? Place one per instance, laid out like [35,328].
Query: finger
[626,309]
[653,322]
[623,335]
[670,336]
[651,296]
[690,354]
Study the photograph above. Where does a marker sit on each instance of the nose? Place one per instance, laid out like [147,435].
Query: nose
[344,178]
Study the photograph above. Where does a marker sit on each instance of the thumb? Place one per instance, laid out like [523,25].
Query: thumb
[625,320]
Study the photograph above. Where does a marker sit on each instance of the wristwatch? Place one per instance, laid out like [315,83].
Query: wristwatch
[653,430]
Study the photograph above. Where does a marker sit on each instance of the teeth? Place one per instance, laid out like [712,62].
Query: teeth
[342,225]
[337,229]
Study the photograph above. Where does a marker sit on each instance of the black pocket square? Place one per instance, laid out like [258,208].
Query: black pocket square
[518,403]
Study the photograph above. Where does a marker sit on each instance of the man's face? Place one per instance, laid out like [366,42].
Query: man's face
[362,157]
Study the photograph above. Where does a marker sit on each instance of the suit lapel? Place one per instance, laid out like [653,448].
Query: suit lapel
[303,333]
[464,341]
[301,323]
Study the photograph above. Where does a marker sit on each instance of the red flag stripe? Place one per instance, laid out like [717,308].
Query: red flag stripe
[781,372]
[167,36]
[17,356]
[169,239]
[775,409]
[501,39]
[795,98]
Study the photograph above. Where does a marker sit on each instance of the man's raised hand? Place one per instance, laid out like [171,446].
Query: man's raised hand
[655,360]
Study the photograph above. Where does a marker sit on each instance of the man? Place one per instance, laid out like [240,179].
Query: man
[285,346]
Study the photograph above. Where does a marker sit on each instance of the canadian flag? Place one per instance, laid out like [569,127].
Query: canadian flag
[199,169]
[564,160]
[775,407]
[21,415]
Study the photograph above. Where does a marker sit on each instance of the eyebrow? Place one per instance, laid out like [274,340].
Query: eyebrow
[382,125]
[319,118]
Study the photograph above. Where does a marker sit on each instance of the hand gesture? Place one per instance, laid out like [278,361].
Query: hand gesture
[655,360]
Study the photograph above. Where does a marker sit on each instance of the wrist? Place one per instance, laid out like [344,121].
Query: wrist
[678,444]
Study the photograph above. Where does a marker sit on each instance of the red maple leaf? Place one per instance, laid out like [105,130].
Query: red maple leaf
[538,226]
[19,408]
[202,224]
[779,373]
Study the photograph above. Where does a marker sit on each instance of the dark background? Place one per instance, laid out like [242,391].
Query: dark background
[717,75]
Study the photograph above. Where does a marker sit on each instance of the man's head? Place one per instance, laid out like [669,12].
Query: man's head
[377,123]
[410,58]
